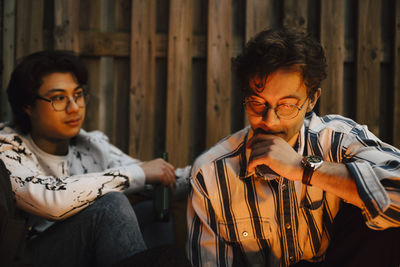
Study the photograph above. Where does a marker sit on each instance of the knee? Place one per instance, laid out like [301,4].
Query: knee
[113,203]
[114,199]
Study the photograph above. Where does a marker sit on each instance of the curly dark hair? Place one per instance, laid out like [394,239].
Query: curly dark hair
[27,78]
[274,49]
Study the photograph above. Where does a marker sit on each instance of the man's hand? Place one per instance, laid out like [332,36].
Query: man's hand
[276,153]
[159,171]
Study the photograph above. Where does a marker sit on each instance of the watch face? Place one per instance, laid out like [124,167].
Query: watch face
[314,159]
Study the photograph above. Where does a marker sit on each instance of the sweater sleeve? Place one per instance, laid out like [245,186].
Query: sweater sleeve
[57,198]
[113,157]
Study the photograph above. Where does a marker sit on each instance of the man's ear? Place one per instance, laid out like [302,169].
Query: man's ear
[312,103]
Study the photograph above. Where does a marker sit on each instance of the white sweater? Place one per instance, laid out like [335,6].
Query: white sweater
[56,187]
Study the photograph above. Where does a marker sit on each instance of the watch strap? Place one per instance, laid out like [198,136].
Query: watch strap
[307,174]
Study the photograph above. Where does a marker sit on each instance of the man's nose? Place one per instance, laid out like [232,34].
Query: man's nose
[72,106]
[270,118]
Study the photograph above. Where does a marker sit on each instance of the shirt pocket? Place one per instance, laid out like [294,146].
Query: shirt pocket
[242,230]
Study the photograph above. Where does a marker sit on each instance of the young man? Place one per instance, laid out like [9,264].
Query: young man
[59,172]
[268,194]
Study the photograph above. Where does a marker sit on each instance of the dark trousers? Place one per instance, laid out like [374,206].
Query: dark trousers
[353,244]
[101,235]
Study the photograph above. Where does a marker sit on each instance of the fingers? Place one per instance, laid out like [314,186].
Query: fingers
[166,175]
[159,171]
[168,179]
[260,137]
[255,161]
[260,145]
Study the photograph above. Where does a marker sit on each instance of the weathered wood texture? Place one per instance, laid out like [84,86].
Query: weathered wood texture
[9,33]
[218,70]
[179,80]
[160,71]
[142,85]
[120,118]
[332,39]
[90,20]
[368,64]
[257,16]
[295,14]
[29,27]
[66,24]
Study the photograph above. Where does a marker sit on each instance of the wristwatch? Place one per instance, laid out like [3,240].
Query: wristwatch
[310,164]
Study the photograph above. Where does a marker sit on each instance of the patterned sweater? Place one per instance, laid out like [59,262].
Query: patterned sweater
[56,187]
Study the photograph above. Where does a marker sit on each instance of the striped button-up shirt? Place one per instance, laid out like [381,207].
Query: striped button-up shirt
[236,218]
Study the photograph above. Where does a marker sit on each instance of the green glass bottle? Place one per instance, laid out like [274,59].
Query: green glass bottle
[161,199]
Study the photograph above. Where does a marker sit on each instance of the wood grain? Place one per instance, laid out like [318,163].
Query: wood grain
[295,14]
[218,70]
[332,39]
[29,27]
[8,55]
[179,81]
[66,24]
[142,83]
[368,64]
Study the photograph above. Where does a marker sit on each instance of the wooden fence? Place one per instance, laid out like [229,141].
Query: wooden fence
[160,71]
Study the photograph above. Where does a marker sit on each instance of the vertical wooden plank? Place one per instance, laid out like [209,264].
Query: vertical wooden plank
[396,70]
[106,109]
[120,135]
[90,14]
[29,27]
[257,19]
[121,104]
[142,84]
[368,63]
[66,24]
[179,81]
[332,39]
[106,95]
[257,16]
[179,87]
[295,14]
[122,15]
[218,70]
[8,55]
[89,19]
[92,109]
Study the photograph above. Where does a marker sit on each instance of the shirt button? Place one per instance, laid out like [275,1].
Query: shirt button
[288,226]
[283,186]
[245,234]
[291,259]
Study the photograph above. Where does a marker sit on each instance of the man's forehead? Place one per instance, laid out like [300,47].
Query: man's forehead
[58,82]
[286,83]
[260,78]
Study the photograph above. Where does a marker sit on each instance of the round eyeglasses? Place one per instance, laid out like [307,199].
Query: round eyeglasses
[61,101]
[282,111]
